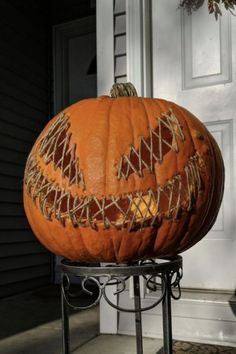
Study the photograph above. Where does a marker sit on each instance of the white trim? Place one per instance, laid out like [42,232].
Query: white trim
[105,80]
[204,317]
[105,46]
[138,45]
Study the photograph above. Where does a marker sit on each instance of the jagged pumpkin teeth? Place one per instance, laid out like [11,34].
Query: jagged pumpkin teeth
[122,178]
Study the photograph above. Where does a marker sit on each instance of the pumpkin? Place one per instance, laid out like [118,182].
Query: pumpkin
[122,178]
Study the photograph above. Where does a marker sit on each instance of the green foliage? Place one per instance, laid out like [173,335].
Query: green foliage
[214,6]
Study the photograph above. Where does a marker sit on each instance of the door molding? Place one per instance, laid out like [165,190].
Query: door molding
[138,45]
[105,80]
[62,33]
[105,46]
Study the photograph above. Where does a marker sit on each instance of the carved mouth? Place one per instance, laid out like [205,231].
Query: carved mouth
[132,210]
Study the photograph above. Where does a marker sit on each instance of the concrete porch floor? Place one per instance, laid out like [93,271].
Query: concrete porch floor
[31,324]
[84,340]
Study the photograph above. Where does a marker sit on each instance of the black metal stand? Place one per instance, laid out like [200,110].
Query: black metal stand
[163,275]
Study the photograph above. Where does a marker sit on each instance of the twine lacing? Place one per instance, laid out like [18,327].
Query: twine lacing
[132,210]
[163,138]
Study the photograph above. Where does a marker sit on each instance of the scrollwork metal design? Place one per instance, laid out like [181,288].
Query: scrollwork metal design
[158,276]
[175,283]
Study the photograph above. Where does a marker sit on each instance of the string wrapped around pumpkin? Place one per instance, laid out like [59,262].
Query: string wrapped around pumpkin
[122,178]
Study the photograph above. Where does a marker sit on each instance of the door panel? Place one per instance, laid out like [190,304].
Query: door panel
[206,48]
[194,66]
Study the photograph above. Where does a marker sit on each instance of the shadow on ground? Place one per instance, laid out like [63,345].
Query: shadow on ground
[232,303]
[23,312]
[27,311]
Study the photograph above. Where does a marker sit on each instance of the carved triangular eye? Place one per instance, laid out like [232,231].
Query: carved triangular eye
[55,147]
[153,148]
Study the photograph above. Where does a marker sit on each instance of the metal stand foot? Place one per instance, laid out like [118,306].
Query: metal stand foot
[166,314]
[138,315]
[65,322]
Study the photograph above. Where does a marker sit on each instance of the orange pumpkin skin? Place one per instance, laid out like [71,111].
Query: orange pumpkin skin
[122,179]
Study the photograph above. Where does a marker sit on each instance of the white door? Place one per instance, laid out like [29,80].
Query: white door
[194,65]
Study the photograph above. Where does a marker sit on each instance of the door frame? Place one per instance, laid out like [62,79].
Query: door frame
[105,80]
[138,45]
[62,33]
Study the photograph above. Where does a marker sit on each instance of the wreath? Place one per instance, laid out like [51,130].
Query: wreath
[214,6]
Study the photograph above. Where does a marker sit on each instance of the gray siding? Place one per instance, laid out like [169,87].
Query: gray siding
[24,110]
[120,41]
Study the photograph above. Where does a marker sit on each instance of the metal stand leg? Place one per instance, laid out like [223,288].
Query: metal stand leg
[65,323]
[166,314]
[138,316]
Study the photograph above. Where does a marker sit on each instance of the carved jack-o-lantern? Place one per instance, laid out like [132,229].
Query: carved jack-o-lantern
[122,178]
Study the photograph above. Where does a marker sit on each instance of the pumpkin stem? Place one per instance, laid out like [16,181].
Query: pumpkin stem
[123,89]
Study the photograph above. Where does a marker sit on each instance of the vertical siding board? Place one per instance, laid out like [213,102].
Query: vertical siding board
[120,45]
[10,155]
[105,47]
[8,277]
[20,68]
[9,116]
[15,131]
[120,55]
[22,286]
[24,97]
[10,196]
[19,262]
[119,6]
[10,209]
[10,183]
[20,249]
[21,236]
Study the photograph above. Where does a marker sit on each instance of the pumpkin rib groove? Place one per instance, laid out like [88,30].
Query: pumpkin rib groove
[207,227]
[218,162]
[208,202]
[149,127]
[109,117]
[197,230]
[132,101]
[84,237]
[131,128]
[47,237]
[146,113]
[114,239]
[74,243]
[186,122]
